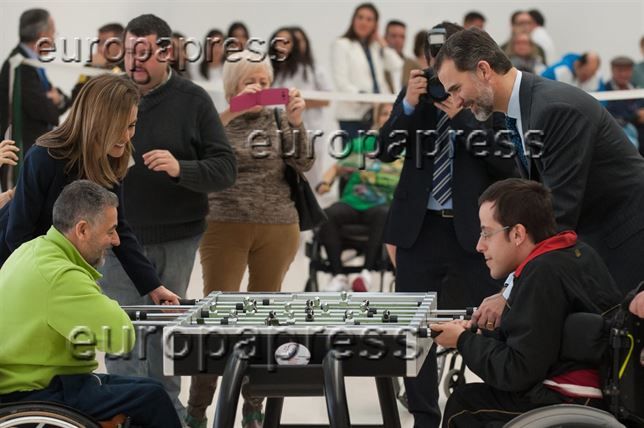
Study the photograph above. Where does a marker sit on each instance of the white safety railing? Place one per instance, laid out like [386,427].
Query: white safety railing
[321,95]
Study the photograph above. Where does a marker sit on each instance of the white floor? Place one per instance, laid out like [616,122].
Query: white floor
[361,392]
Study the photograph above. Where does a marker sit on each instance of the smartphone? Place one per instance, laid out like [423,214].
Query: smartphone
[243,102]
[267,97]
[273,96]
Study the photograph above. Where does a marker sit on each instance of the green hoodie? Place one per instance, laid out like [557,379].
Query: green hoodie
[53,315]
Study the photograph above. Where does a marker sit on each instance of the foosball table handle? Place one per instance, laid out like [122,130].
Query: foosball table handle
[183,302]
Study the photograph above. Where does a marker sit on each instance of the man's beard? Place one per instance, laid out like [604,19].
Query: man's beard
[484,106]
[483,112]
[98,261]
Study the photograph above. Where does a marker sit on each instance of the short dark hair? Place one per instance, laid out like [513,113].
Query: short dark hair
[149,24]
[351,33]
[526,202]
[538,17]
[32,23]
[112,27]
[473,16]
[420,39]
[622,61]
[450,29]
[237,25]
[514,15]
[395,23]
[466,48]
[81,200]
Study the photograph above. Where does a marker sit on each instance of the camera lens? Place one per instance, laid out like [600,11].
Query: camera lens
[436,90]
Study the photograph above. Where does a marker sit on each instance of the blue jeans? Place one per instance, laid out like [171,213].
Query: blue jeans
[173,261]
[104,396]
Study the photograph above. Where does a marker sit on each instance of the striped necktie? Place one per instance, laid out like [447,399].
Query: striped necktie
[511,124]
[442,178]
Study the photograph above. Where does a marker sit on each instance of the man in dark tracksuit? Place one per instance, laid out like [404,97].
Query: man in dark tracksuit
[551,276]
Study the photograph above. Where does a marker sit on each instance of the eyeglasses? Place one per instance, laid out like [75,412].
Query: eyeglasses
[485,235]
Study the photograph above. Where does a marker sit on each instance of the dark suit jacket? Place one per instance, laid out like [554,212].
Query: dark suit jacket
[595,174]
[471,174]
[39,114]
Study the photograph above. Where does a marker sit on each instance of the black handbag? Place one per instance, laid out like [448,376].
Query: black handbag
[306,204]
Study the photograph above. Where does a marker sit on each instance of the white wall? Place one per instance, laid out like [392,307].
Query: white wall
[609,27]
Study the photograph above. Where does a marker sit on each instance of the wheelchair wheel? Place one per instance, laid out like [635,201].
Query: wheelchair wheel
[565,416]
[453,378]
[41,415]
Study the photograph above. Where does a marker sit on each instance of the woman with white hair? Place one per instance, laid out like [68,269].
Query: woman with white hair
[254,223]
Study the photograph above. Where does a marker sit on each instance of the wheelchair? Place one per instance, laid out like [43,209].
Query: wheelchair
[616,345]
[354,237]
[40,414]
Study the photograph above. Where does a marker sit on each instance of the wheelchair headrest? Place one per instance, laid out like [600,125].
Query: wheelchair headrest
[585,338]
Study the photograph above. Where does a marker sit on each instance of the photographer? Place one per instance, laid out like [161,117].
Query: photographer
[433,217]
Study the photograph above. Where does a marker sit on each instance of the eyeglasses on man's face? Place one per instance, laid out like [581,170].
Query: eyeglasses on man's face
[487,234]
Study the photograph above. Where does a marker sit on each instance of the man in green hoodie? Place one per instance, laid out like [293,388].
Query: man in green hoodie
[53,317]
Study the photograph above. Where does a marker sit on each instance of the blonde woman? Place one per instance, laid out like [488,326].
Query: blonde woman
[93,143]
[254,223]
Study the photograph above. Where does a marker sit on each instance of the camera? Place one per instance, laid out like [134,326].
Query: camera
[435,89]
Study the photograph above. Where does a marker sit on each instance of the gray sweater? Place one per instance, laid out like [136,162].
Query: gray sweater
[261,194]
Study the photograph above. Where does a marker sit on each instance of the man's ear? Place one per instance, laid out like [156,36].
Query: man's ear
[82,230]
[484,70]
[519,234]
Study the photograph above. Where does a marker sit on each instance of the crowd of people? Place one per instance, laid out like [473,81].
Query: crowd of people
[110,194]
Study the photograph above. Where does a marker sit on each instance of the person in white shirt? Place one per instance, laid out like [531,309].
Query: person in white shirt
[295,67]
[359,60]
[211,67]
[541,37]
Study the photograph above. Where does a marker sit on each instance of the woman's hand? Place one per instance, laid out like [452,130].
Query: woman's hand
[294,108]
[5,197]
[322,188]
[8,152]
[250,89]
[227,116]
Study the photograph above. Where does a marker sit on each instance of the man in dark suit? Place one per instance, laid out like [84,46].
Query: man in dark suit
[563,138]
[433,219]
[28,101]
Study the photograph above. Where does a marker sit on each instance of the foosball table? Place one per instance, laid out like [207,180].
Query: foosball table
[297,344]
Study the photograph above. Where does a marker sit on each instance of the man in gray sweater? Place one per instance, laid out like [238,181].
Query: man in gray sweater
[181,154]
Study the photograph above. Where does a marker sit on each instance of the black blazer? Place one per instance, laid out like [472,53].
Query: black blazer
[595,174]
[474,169]
[39,114]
